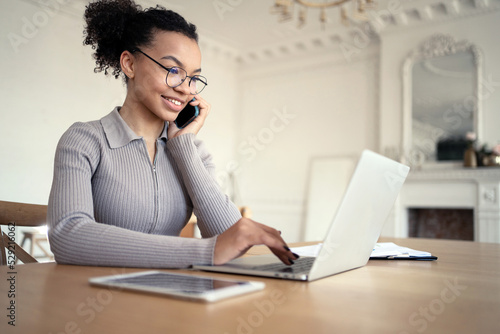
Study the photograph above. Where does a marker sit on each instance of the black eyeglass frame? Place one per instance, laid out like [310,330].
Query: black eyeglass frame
[168,69]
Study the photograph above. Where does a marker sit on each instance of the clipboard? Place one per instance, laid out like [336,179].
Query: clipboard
[405,258]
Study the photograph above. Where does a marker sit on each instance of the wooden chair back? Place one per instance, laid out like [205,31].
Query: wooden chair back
[12,215]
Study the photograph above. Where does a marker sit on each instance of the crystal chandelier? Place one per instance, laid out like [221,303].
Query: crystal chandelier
[350,10]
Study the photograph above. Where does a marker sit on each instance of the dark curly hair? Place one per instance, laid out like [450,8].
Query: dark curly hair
[113,26]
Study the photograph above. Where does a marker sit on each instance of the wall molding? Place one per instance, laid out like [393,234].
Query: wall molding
[390,16]
[410,14]
[307,61]
[459,173]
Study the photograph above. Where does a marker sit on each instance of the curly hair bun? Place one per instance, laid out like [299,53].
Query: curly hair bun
[113,26]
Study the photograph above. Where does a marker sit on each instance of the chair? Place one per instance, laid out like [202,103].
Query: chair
[13,214]
[189,230]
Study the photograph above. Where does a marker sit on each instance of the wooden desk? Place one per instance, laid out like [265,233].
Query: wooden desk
[459,293]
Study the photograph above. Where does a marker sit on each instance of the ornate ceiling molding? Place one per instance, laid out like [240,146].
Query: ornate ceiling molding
[389,16]
[291,42]
[393,15]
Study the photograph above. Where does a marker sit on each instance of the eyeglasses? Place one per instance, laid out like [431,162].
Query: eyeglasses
[177,75]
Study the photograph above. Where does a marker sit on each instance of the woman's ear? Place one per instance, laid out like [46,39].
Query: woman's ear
[127,63]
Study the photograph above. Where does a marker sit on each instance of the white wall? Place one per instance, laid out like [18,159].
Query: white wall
[47,84]
[310,107]
[219,131]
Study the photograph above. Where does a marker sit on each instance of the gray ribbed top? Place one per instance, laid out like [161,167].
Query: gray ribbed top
[110,206]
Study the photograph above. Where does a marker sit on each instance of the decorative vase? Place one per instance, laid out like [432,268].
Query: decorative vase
[470,159]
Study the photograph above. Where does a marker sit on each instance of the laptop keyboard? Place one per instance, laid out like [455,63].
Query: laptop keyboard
[303,264]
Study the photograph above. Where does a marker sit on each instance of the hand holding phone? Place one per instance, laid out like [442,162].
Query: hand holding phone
[184,122]
[187,115]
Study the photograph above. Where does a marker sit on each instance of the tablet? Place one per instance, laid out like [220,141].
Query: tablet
[191,287]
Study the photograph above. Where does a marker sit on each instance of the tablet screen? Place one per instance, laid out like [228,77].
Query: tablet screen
[185,283]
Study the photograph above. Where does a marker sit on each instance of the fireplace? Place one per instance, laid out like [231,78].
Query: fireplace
[457,202]
[457,224]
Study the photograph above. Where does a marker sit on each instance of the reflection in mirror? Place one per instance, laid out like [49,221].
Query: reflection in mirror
[440,101]
[440,88]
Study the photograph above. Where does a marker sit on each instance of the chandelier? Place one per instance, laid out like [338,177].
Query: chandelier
[350,10]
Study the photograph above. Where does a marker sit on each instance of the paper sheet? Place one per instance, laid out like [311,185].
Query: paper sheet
[381,249]
[384,249]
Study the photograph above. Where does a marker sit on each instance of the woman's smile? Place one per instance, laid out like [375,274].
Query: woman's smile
[173,104]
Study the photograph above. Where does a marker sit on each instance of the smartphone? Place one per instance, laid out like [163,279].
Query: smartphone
[190,287]
[187,115]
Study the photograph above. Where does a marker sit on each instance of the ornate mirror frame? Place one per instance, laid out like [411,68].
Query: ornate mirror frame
[436,46]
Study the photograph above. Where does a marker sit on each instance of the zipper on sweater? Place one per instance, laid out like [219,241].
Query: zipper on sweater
[156,187]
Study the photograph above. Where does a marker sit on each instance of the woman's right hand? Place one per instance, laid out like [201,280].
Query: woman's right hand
[244,234]
[196,125]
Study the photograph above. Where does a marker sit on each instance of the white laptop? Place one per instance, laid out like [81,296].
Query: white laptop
[353,232]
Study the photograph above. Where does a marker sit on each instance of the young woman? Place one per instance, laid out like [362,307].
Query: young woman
[124,186]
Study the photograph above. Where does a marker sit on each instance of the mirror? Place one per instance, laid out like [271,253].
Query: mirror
[441,86]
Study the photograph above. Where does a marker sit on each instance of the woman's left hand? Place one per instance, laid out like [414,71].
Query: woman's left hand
[196,125]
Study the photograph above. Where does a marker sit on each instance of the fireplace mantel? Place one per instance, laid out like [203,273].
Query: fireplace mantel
[455,173]
[452,187]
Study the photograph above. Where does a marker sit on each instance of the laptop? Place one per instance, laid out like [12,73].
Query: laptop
[353,232]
